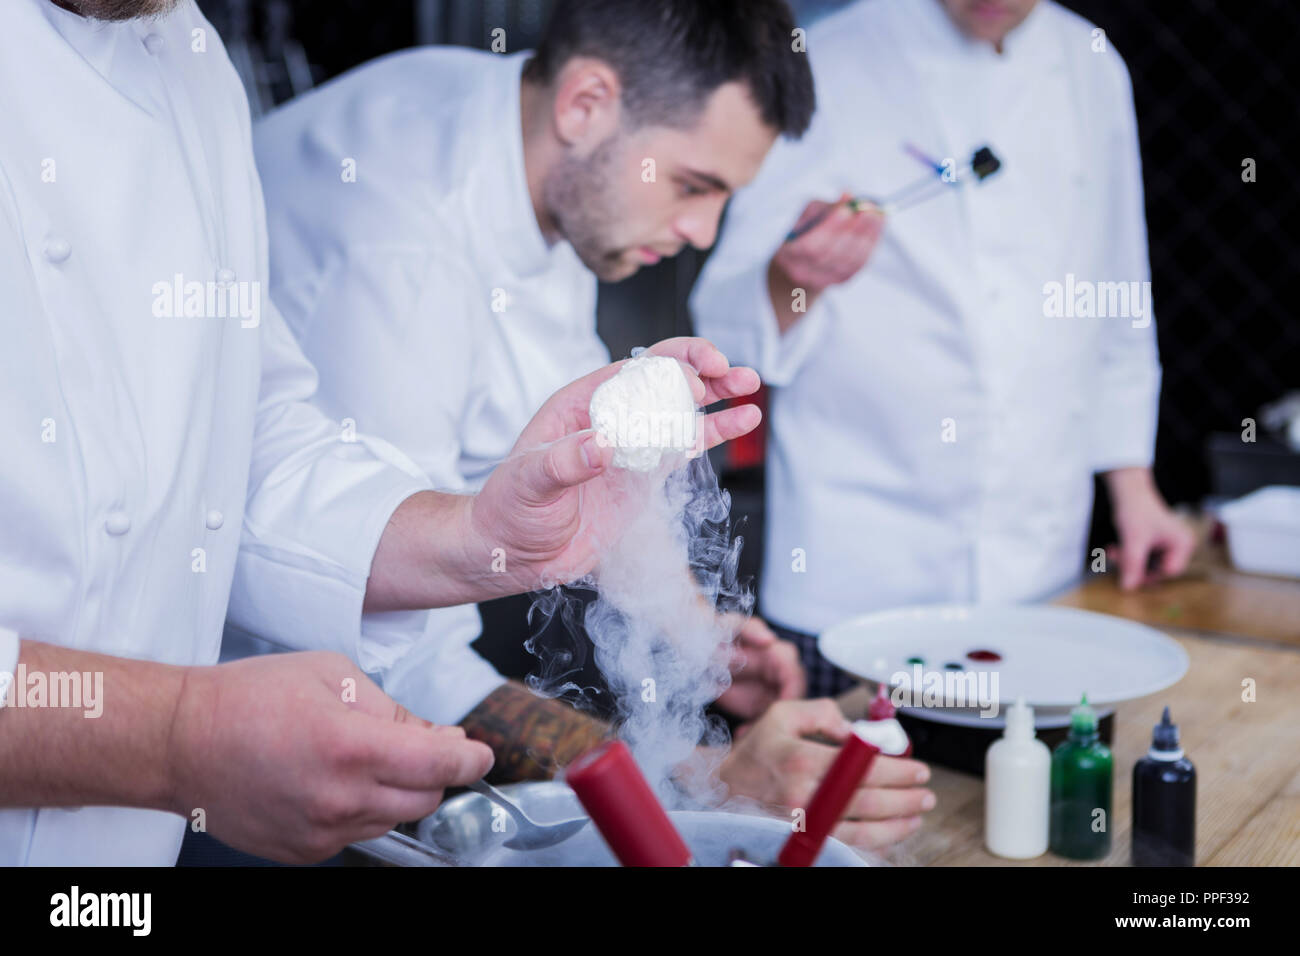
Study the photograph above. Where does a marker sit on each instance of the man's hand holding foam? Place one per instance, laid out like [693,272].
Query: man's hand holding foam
[553,503]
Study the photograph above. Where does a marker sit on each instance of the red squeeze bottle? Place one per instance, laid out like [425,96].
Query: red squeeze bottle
[625,810]
[869,738]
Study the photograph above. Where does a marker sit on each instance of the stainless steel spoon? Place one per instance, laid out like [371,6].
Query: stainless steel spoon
[529,834]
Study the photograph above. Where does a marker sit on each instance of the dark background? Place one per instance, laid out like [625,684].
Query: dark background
[1214,83]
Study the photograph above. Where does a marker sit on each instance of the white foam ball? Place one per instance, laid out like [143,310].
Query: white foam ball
[646,412]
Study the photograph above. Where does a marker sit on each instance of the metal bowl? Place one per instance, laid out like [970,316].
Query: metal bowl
[463,828]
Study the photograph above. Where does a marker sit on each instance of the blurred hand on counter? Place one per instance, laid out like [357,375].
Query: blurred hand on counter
[777,761]
[1154,542]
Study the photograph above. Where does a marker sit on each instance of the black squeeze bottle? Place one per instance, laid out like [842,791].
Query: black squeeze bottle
[1164,802]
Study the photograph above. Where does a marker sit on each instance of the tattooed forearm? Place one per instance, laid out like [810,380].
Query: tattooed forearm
[532,737]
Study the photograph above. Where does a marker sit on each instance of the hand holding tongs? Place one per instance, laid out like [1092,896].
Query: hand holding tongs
[983,164]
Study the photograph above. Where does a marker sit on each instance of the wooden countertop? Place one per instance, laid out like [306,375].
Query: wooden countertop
[1235,627]
[1209,597]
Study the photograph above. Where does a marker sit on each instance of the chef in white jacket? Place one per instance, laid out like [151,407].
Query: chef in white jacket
[438,221]
[406,259]
[163,468]
[938,412]
[437,255]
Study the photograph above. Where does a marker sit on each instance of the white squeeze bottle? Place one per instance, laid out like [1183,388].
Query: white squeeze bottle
[1017,789]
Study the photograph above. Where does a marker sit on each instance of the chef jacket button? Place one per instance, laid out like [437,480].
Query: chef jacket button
[57,250]
[214,520]
[118,522]
[154,43]
[225,277]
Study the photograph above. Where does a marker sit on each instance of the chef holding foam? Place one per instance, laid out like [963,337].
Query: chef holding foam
[935,421]
[162,468]
[439,219]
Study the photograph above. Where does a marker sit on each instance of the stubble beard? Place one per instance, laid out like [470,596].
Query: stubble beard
[118,10]
[580,196]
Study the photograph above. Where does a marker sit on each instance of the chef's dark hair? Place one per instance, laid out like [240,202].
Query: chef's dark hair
[671,55]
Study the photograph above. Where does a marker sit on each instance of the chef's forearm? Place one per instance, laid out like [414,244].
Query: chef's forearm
[532,737]
[1130,486]
[426,558]
[58,749]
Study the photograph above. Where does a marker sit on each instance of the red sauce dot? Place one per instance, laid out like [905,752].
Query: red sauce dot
[983,655]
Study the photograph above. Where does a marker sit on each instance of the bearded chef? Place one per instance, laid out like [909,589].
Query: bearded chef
[163,468]
[935,425]
[438,223]
[439,219]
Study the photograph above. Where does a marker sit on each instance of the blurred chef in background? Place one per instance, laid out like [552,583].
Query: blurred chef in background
[439,219]
[934,426]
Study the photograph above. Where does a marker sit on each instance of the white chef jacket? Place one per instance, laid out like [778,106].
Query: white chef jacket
[158,470]
[407,259]
[868,505]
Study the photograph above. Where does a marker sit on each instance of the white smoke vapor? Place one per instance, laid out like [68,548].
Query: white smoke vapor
[661,587]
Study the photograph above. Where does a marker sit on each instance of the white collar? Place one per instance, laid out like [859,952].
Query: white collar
[506,202]
[94,40]
[942,39]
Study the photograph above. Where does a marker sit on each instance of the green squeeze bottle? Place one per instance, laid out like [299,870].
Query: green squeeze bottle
[1082,783]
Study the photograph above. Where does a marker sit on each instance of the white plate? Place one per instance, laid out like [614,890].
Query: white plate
[1049,655]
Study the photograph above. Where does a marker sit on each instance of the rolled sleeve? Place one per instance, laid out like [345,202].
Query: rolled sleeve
[301,581]
[1125,419]
[439,677]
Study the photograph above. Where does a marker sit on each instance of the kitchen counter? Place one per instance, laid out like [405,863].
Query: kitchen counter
[1237,629]
[1210,597]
